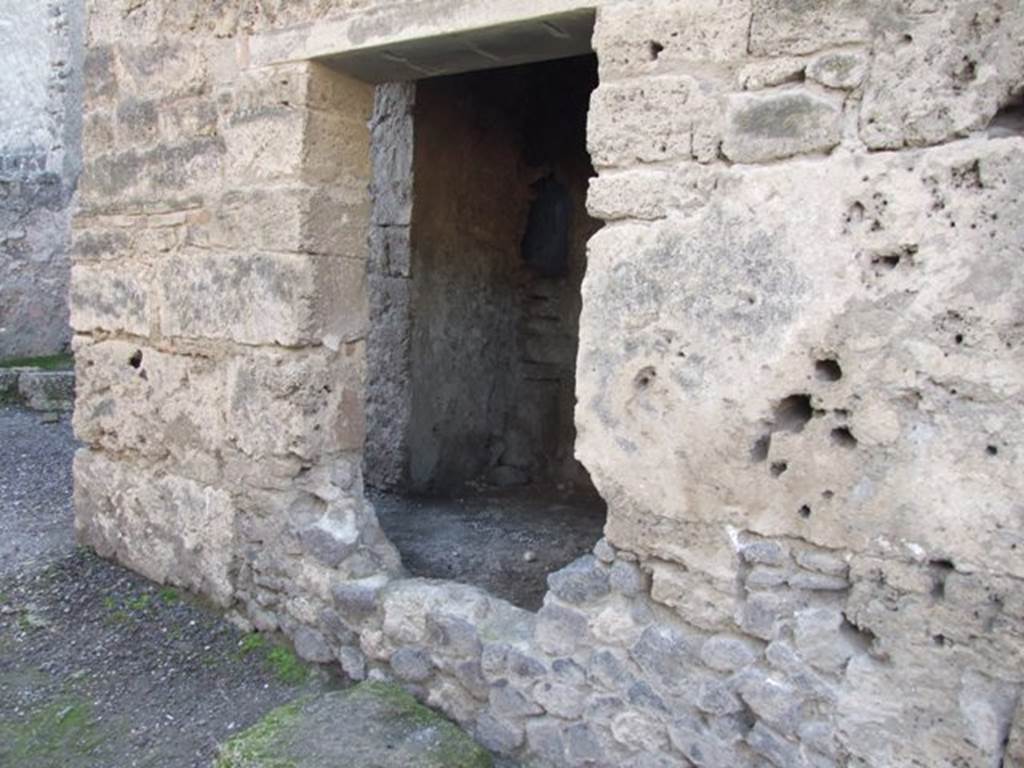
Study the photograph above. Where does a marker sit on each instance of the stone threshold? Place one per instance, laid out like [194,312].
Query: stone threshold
[38,389]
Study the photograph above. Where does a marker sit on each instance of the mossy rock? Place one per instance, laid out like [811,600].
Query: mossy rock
[372,725]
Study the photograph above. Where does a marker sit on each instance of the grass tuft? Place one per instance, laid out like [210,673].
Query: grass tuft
[45,363]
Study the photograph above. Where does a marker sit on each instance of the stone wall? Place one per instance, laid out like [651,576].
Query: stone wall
[40,159]
[799,375]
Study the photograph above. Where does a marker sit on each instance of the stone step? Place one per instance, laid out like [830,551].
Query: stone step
[38,389]
[371,725]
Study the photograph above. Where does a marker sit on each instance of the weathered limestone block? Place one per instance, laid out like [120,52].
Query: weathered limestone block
[804,26]
[112,298]
[952,719]
[124,239]
[876,237]
[778,124]
[136,399]
[652,120]
[299,219]
[168,67]
[267,139]
[168,528]
[941,75]
[285,299]
[169,175]
[305,403]
[648,194]
[638,39]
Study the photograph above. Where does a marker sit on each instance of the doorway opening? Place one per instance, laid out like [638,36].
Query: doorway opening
[478,252]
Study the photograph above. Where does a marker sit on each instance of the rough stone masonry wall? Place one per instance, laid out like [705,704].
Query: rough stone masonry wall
[40,159]
[799,379]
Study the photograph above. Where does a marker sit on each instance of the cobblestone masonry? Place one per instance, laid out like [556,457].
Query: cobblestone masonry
[799,377]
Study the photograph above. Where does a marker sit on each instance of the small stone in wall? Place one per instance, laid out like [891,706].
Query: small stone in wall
[607,670]
[353,663]
[582,745]
[411,665]
[822,562]
[311,646]
[356,599]
[560,629]
[581,581]
[774,747]
[772,699]
[604,551]
[772,125]
[727,653]
[497,735]
[818,582]
[507,701]
[627,578]
[764,552]
[456,636]
[329,542]
[839,69]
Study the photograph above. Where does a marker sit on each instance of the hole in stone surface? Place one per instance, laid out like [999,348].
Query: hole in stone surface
[793,413]
[645,378]
[1009,120]
[828,370]
[759,452]
[959,338]
[469,456]
[941,570]
[136,359]
[890,261]
[654,49]
[991,450]
[843,437]
[804,511]
[827,495]
[965,73]
[778,468]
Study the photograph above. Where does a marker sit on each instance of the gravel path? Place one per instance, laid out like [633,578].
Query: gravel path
[100,668]
[35,490]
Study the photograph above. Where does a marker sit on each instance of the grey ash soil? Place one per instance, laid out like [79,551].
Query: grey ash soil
[481,538]
[35,490]
[100,668]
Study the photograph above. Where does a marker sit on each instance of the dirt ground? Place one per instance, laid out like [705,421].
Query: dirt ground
[100,668]
[506,541]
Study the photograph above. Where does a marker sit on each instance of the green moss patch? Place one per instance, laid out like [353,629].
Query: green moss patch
[255,747]
[373,725]
[281,661]
[58,733]
[46,363]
